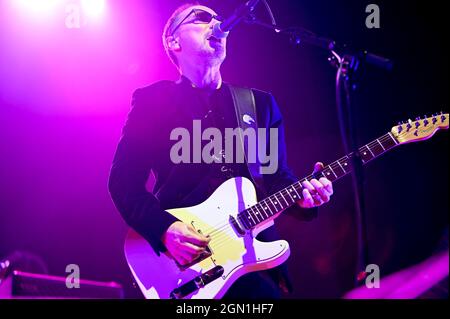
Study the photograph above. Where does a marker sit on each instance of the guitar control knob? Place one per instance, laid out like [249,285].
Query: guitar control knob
[199,282]
[176,294]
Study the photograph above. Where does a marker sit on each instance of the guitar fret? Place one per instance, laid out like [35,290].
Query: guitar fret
[341,167]
[254,214]
[326,173]
[270,198]
[289,193]
[247,219]
[296,194]
[244,222]
[259,212]
[381,145]
[250,215]
[335,167]
[273,204]
[278,203]
[281,193]
[392,139]
[377,150]
[262,209]
[330,169]
[366,156]
[373,155]
[345,159]
[270,208]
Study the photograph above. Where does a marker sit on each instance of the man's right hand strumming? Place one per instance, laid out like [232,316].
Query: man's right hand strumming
[184,243]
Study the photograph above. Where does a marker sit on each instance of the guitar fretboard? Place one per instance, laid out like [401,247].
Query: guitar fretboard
[285,198]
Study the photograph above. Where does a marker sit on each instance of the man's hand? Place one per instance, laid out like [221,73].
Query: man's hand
[184,243]
[316,192]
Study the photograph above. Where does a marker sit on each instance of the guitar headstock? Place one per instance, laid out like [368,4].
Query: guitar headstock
[420,129]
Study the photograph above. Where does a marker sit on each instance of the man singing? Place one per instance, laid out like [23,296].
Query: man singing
[145,147]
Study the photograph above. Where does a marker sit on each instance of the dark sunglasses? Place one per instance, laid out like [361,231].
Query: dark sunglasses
[201,16]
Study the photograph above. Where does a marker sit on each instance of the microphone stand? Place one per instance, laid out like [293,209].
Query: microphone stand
[348,67]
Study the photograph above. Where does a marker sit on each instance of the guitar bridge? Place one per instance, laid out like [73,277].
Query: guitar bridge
[197,283]
[202,256]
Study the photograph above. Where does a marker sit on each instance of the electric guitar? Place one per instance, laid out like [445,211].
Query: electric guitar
[232,217]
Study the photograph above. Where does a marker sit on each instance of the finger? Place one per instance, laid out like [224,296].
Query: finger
[182,251]
[327,185]
[318,167]
[187,256]
[309,187]
[180,259]
[193,250]
[308,201]
[317,199]
[318,186]
[196,239]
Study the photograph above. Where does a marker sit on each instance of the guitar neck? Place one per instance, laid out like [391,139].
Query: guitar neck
[287,197]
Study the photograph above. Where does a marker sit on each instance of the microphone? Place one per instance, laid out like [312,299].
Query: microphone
[221,30]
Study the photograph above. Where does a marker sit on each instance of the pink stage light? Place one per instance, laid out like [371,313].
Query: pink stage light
[93,8]
[35,7]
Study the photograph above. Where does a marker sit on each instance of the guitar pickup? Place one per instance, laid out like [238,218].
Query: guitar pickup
[197,283]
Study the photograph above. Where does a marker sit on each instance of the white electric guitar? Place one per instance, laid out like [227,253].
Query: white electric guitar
[232,217]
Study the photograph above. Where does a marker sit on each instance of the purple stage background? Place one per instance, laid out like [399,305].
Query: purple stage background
[65,93]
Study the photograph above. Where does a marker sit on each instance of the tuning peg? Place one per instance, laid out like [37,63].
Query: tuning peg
[434,119]
[442,117]
[408,126]
[425,122]
[418,118]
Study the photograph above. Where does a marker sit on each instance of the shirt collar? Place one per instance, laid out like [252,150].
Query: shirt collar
[183,80]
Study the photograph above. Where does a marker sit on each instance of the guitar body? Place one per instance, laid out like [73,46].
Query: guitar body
[234,253]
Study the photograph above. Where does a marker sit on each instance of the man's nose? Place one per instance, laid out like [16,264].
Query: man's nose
[213,23]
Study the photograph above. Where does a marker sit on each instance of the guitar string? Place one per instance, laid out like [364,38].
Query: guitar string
[217,238]
[334,165]
[224,237]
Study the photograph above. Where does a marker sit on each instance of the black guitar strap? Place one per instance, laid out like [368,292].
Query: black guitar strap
[245,107]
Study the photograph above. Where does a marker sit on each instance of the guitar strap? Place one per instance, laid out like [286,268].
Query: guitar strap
[245,108]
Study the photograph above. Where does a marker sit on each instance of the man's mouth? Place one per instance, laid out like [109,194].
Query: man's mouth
[212,38]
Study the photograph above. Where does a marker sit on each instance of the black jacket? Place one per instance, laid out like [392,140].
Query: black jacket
[145,147]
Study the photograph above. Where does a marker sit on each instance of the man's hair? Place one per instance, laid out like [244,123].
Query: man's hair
[169,26]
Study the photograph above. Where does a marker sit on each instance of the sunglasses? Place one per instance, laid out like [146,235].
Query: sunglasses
[201,16]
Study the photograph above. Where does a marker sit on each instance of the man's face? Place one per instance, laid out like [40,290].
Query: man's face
[195,40]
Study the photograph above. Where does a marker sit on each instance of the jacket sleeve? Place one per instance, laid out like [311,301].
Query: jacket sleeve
[283,177]
[130,170]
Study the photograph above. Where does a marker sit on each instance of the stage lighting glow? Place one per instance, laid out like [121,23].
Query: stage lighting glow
[93,7]
[35,6]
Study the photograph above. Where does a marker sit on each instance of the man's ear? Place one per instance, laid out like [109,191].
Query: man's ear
[173,44]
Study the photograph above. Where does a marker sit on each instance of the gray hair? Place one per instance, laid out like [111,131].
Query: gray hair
[168,28]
